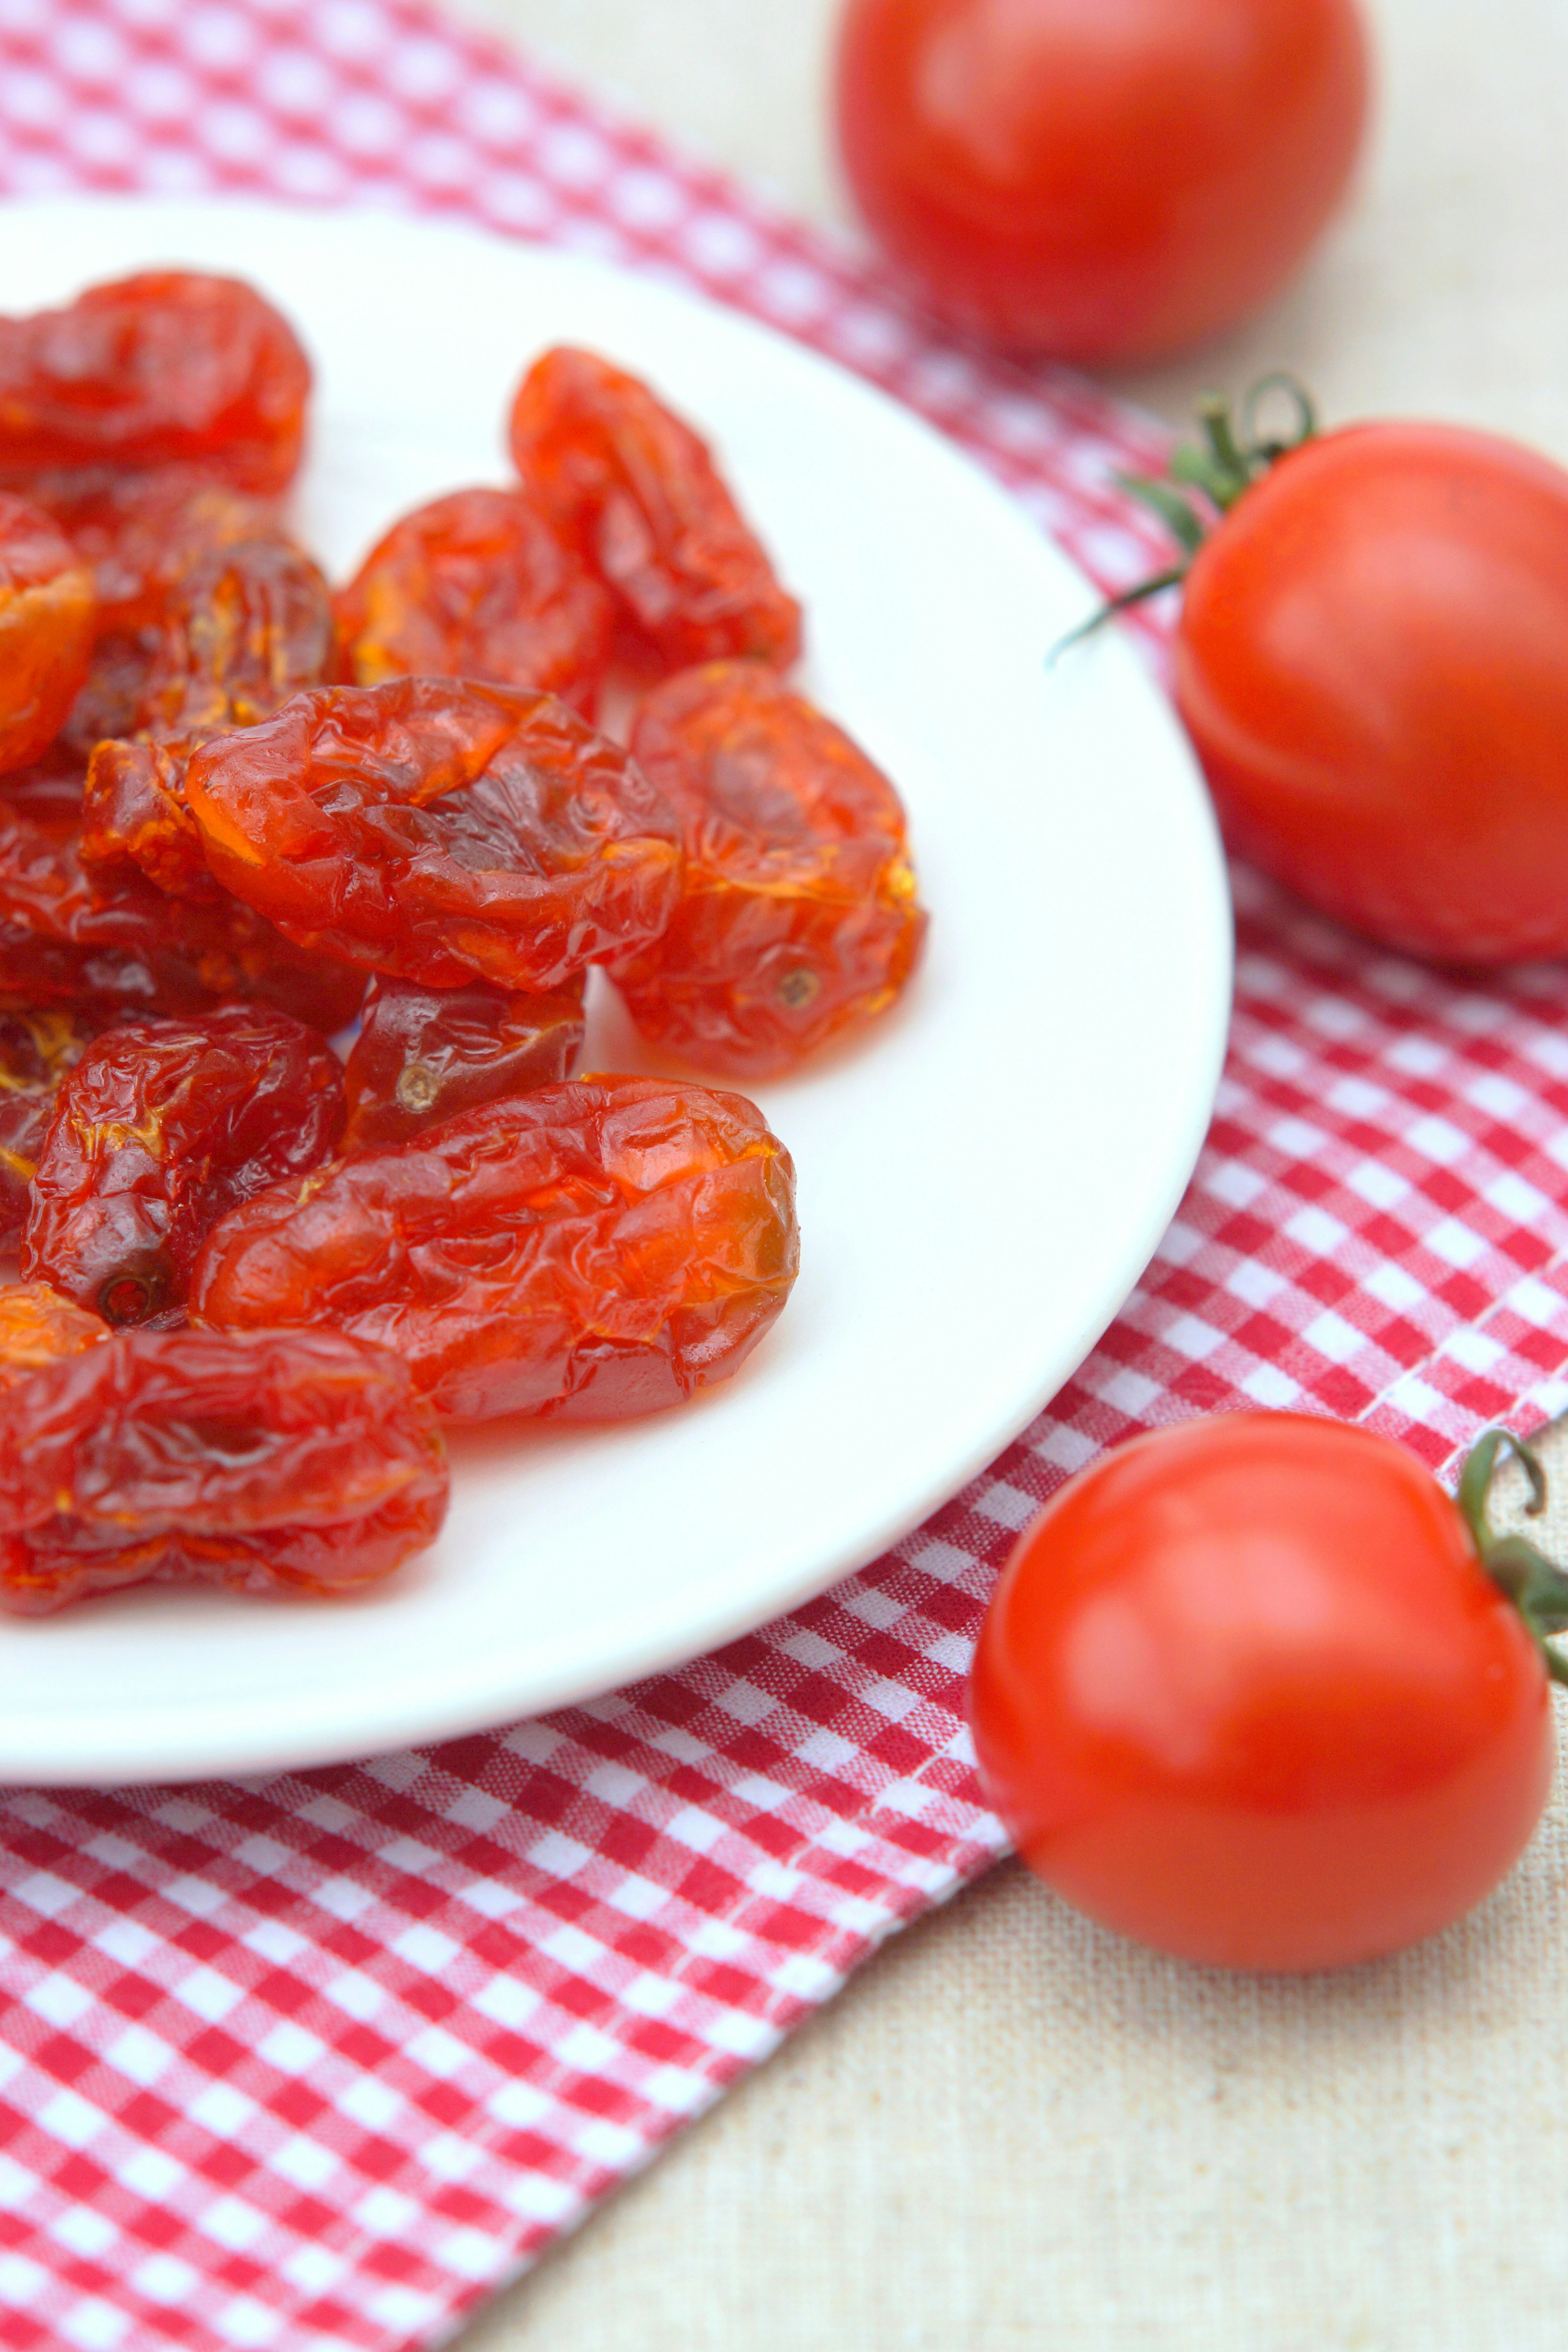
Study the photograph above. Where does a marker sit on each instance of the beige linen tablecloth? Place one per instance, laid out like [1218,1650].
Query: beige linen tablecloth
[1015,2131]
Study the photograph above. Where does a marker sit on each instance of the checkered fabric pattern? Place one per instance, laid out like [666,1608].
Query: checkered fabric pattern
[313,2063]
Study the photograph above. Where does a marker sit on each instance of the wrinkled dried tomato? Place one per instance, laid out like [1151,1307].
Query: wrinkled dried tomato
[38,1327]
[37,1047]
[439,831]
[142,536]
[244,628]
[423,1054]
[141,533]
[299,1461]
[46,627]
[594,1249]
[638,494]
[797,918]
[479,584]
[167,367]
[160,1129]
[113,943]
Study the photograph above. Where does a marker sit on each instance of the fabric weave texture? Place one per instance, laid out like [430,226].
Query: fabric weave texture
[314,2063]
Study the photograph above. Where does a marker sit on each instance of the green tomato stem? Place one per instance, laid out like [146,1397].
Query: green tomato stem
[1537,1587]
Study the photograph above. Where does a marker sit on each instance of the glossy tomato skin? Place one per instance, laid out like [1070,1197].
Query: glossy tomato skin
[1372,663]
[1101,180]
[1246,1692]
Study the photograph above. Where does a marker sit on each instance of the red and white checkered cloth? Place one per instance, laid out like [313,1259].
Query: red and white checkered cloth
[315,2063]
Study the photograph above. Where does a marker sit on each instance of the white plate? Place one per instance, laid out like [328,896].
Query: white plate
[981,1180]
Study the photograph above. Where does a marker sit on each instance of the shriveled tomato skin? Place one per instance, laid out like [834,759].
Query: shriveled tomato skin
[636,490]
[593,1250]
[798,919]
[46,620]
[167,367]
[440,831]
[294,1462]
[160,1129]
[1246,1692]
[1372,664]
[38,1327]
[1102,180]
[113,943]
[39,1045]
[479,584]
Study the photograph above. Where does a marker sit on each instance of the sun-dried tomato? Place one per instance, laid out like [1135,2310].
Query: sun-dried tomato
[797,918]
[142,536]
[439,831]
[168,367]
[244,628]
[38,1327]
[639,495]
[423,1054]
[297,1462]
[594,1249]
[113,943]
[479,584]
[37,1047]
[47,626]
[160,1129]
[141,533]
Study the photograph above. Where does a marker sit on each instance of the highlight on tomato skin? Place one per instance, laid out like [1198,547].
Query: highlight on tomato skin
[1246,1694]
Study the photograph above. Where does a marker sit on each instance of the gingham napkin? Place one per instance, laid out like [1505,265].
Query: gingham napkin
[316,2063]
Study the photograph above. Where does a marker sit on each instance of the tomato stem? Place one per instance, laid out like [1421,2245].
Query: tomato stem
[1536,1585]
[1233,453]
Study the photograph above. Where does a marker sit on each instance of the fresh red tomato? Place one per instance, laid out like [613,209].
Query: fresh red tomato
[1372,663]
[1103,180]
[1246,1693]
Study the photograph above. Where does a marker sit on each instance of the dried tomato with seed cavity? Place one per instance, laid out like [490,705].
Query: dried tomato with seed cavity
[168,367]
[38,1327]
[248,627]
[160,1129]
[479,584]
[423,1054]
[37,1047]
[298,1461]
[593,1250]
[439,831]
[639,495]
[46,626]
[797,918]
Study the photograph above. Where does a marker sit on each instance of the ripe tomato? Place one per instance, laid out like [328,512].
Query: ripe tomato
[1247,1691]
[1372,663]
[1104,180]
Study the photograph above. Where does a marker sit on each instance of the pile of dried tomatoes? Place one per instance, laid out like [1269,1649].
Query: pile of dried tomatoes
[240,811]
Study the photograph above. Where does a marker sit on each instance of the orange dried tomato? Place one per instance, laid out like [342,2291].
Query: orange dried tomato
[296,1462]
[592,1250]
[797,918]
[440,831]
[38,1327]
[159,1130]
[47,623]
[166,367]
[37,1047]
[479,584]
[639,495]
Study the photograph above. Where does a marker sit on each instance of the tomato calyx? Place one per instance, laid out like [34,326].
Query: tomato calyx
[1234,450]
[1536,1586]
